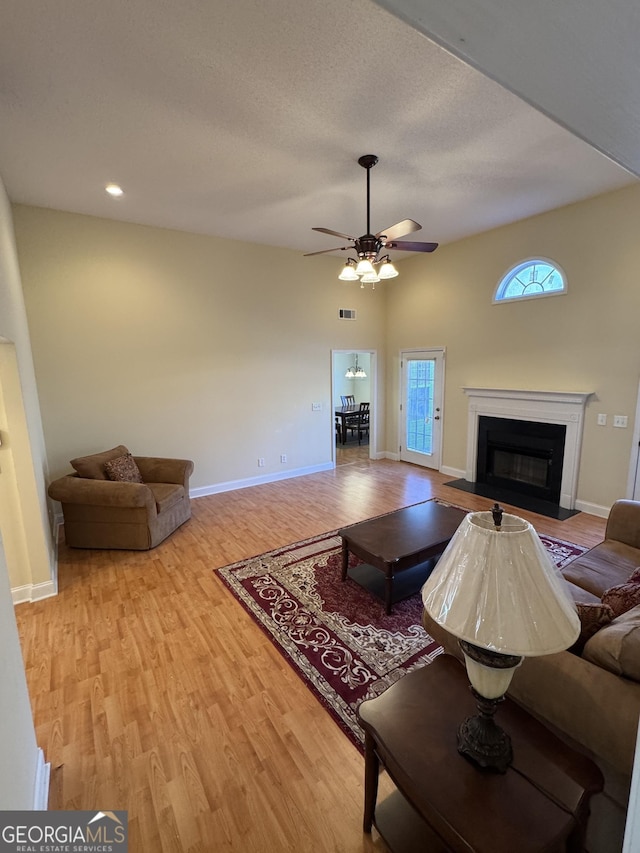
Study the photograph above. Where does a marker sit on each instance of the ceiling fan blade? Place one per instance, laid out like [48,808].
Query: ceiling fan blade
[399,229]
[411,246]
[324,251]
[334,233]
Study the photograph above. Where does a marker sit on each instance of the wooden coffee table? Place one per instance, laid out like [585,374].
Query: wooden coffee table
[408,541]
[446,804]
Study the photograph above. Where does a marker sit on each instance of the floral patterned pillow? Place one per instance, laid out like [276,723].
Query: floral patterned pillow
[624,596]
[592,618]
[123,469]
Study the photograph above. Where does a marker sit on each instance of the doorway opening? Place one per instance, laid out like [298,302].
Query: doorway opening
[353,375]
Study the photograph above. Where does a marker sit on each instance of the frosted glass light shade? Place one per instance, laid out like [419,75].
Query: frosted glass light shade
[499,590]
[365,267]
[370,278]
[348,273]
[387,270]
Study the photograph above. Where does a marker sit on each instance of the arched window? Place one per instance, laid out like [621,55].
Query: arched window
[531,278]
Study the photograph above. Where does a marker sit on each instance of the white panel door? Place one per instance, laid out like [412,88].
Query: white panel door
[422,384]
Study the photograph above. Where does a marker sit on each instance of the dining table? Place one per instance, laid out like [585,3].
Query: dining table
[344,413]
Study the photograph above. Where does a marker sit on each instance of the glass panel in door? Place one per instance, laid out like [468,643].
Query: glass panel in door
[422,374]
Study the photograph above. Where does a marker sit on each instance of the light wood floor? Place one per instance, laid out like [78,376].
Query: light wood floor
[153,691]
[351,452]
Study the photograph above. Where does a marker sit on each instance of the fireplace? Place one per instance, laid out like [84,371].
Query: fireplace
[564,409]
[521,456]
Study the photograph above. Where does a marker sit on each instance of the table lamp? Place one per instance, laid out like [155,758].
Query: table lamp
[496,590]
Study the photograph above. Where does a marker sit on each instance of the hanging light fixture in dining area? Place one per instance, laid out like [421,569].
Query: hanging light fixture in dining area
[355,372]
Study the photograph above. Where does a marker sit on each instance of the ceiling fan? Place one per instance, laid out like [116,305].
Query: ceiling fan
[369,246]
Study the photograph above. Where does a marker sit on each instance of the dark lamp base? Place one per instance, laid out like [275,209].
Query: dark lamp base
[482,741]
[479,737]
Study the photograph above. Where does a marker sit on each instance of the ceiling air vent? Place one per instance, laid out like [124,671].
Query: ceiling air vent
[347,313]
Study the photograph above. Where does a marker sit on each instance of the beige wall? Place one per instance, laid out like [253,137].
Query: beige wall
[181,344]
[25,540]
[24,521]
[185,345]
[586,340]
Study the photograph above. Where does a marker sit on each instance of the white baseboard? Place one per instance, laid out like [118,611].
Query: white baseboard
[34,591]
[459,474]
[232,485]
[46,589]
[41,786]
[593,509]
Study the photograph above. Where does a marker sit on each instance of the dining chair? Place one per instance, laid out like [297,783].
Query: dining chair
[363,421]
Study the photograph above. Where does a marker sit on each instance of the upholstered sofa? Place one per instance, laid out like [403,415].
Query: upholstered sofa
[116,500]
[591,695]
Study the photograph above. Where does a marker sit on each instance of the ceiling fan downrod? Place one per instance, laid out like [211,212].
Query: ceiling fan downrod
[368,161]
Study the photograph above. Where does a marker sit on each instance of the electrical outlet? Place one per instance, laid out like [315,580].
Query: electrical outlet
[283,457]
[620,420]
[602,420]
[261,462]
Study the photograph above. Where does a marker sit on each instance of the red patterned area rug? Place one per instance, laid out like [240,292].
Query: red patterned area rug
[336,635]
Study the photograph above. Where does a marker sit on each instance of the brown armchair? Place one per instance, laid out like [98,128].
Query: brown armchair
[133,514]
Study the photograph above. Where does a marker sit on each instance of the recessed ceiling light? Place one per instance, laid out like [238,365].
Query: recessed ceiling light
[114,190]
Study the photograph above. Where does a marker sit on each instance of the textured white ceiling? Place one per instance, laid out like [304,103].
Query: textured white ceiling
[246,120]
[577,60]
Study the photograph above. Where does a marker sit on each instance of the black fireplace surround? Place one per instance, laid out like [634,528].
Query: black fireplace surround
[521,456]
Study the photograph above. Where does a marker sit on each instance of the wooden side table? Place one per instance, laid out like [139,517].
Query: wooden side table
[446,804]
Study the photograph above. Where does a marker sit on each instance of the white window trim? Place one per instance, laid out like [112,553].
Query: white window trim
[538,259]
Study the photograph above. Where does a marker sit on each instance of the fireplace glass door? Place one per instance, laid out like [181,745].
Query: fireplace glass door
[521,456]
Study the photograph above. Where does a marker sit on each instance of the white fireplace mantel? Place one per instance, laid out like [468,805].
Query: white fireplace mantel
[551,407]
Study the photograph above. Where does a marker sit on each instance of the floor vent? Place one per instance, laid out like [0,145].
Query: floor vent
[347,313]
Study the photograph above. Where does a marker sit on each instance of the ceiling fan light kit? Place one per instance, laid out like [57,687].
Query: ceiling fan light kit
[387,270]
[349,272]
[365,267]
[369,246]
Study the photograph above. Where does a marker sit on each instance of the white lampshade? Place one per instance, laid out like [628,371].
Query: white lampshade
[499,590]
[349,272]
[370,278]
[387,270]
[365,267]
